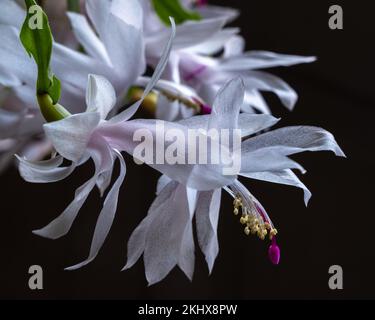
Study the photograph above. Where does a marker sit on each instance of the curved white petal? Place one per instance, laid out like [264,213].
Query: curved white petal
[44,171]
[87,37]
[266,82]
[71,135]
[100,95]
[262,59]
[291,140]
[137,241]
[59,227]
[207,218]
[267,159]
[128,113]
[286,177]
[106,216]
[227,105]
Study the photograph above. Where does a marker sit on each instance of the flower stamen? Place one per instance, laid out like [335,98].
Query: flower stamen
[254,218]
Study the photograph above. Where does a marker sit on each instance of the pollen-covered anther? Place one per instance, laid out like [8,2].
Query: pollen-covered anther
[247,231]
[244,219]
[237,203]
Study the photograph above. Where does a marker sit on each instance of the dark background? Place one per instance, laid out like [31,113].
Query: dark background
[337,93]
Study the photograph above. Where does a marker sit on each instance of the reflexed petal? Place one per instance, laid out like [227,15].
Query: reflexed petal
[266,159]
[59,227]
[266,82]
[71,135]
[286,177]
[44,171]
[291,140]
[100,95]
[207,218]
[106,217]
[262,59]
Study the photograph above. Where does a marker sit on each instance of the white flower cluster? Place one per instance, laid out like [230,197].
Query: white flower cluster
[202,79]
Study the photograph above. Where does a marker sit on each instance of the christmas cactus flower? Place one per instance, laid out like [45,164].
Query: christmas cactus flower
[165,236]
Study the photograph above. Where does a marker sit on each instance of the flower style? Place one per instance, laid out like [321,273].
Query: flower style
[165,236]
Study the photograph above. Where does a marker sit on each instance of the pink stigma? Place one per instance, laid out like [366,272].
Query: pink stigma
[274,252]
[205,109]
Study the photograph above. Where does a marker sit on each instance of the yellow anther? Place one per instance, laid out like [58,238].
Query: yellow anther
[267,226]
[254,229]
[244,219]
[236,211]
[247,231]
[237,203]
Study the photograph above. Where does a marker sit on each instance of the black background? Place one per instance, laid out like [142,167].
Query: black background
[337,93]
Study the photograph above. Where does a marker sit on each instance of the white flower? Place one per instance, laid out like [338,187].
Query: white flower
[117,53]
[165,236]
[78,138]
[192,62]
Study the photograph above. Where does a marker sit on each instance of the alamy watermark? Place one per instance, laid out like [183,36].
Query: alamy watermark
[181,146]
[36,18]
[336,280]
[36,279]
[336,20]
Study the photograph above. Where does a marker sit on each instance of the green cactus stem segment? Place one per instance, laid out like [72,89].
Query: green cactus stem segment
[51,112]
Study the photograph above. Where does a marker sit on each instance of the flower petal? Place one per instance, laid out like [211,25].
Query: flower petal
[87,37]
[71,135]
[137,241]
[248,123]
[261,60]
[267,159]
[44,171]
[227,105]
[207,218]
[106,216]
[59,227]
[292,140]
[286,177]
[266,82]
[129,112]
[100,95]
